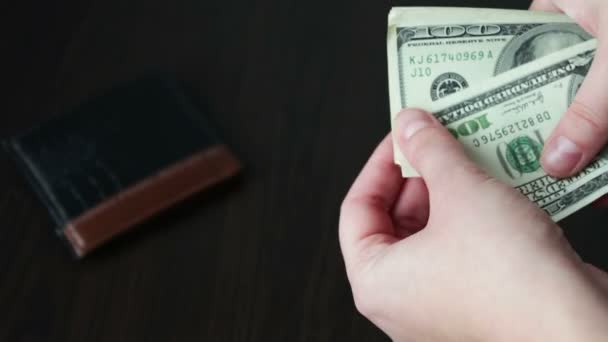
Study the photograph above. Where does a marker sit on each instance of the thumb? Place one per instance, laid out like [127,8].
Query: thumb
[544,5]
[583,130]
[437,156]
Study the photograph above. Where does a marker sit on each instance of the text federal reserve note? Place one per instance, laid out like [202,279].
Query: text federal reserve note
[437,52]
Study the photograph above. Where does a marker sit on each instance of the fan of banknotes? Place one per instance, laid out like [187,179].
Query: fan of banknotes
[499,80]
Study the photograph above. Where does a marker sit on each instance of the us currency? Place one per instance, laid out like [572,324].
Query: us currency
[434,53]
[504,123]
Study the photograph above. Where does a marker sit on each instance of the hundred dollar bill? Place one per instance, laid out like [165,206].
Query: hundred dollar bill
[503,125]
[434,52]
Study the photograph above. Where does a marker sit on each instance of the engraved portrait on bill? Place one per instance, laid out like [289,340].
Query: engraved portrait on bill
[539,42]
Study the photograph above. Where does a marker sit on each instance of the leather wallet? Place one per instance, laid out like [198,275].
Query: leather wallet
[120,158]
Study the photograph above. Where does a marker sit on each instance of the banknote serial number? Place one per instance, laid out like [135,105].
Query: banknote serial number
[510,129]
[450,57]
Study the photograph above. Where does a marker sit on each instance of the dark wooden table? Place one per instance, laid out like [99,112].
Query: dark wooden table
[298,88]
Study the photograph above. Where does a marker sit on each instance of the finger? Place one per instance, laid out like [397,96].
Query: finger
[433,152]
[543,5]
[583,130]
[411,211]
[584,12]
[365,223]
[380,178]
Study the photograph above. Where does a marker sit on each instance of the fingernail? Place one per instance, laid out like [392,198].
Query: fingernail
[413,121]
[562,156]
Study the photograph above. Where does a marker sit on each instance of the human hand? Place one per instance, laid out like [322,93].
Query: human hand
[583,131]
[468,260]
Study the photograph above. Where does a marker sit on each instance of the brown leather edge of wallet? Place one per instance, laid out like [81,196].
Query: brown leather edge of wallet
[121,212]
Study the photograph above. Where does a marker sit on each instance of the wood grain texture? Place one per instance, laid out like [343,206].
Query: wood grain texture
[291,85]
